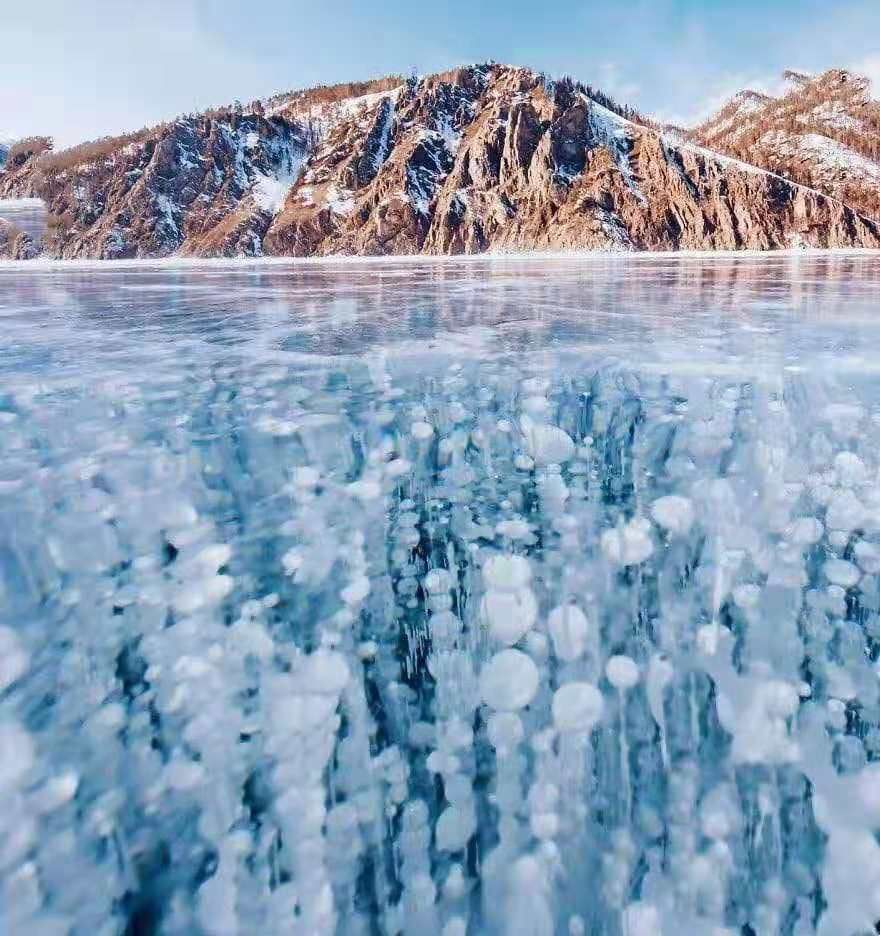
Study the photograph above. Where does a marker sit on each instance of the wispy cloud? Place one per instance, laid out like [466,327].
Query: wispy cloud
[870,68]
[612,80]
[715,92]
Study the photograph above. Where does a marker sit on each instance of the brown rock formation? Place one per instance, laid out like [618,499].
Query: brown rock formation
[500,159]
[823,132]
[199,186]
[480,158]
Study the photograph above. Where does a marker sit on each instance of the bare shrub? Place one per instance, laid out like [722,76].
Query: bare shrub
[28,147]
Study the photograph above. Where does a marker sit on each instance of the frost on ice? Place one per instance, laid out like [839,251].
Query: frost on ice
[494,639]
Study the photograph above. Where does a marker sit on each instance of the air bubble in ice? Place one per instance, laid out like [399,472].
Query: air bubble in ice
[547,445]
[577,707]
[674,513]
[509,614]
[507,573]
[840,572]
[509,681]
[569,630]
[504,730]
[622,672]
[628,544]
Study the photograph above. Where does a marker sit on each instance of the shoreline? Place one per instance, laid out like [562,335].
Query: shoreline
[48,264]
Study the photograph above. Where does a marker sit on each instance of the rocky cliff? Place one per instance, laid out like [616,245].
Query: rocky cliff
[480,158]
[823,131]
[199,185]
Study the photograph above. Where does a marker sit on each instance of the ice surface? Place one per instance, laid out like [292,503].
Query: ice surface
[425,597]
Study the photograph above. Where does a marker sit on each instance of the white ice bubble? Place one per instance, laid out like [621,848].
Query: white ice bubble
[675,514]
[548,445]
[504,730]
[438,582]
[536,406]
[324,671]
[355,592]
[507,573]
[57,791]
[213,557]
[16,755]
[397,467]
[747,596]
[306,477]
[840,572]
[509,681]
[509,615]
[454,827]
[867,556]
[577,706]
[845,511]
[455,926]
[183,774]
[366,489]
[805,531]
[845,419]
[629,544]
[202,593]
[293,560]
[569,630]
[868,789]
[13,658]
[622,672]
[642,919]
[421,430]
[850,469]
[515,529]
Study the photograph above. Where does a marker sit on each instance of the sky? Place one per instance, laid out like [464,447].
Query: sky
[78,69]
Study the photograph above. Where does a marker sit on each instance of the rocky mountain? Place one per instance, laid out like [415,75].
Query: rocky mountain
[824,132]
[481,158]
[211,181]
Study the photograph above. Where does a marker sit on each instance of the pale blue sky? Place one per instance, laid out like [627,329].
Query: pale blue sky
[81,68]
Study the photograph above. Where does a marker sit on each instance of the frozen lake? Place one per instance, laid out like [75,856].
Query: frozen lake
[486,597]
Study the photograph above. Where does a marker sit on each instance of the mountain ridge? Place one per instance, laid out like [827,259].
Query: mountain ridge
[483,157]
[822,131]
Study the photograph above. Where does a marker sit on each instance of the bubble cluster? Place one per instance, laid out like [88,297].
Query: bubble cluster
[404,642]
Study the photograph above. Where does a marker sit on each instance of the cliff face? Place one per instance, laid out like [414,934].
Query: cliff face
[481,158]
[203,186]
[824,131]
[498,159]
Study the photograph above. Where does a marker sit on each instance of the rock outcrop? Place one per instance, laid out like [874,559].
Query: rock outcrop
[483,158]
[824,132]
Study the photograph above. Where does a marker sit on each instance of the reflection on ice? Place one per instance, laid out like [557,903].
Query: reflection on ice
[501,598]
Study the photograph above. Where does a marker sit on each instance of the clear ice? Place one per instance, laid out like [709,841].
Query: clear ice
[489,597]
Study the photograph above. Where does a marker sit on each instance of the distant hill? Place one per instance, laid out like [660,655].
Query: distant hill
[824,131]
